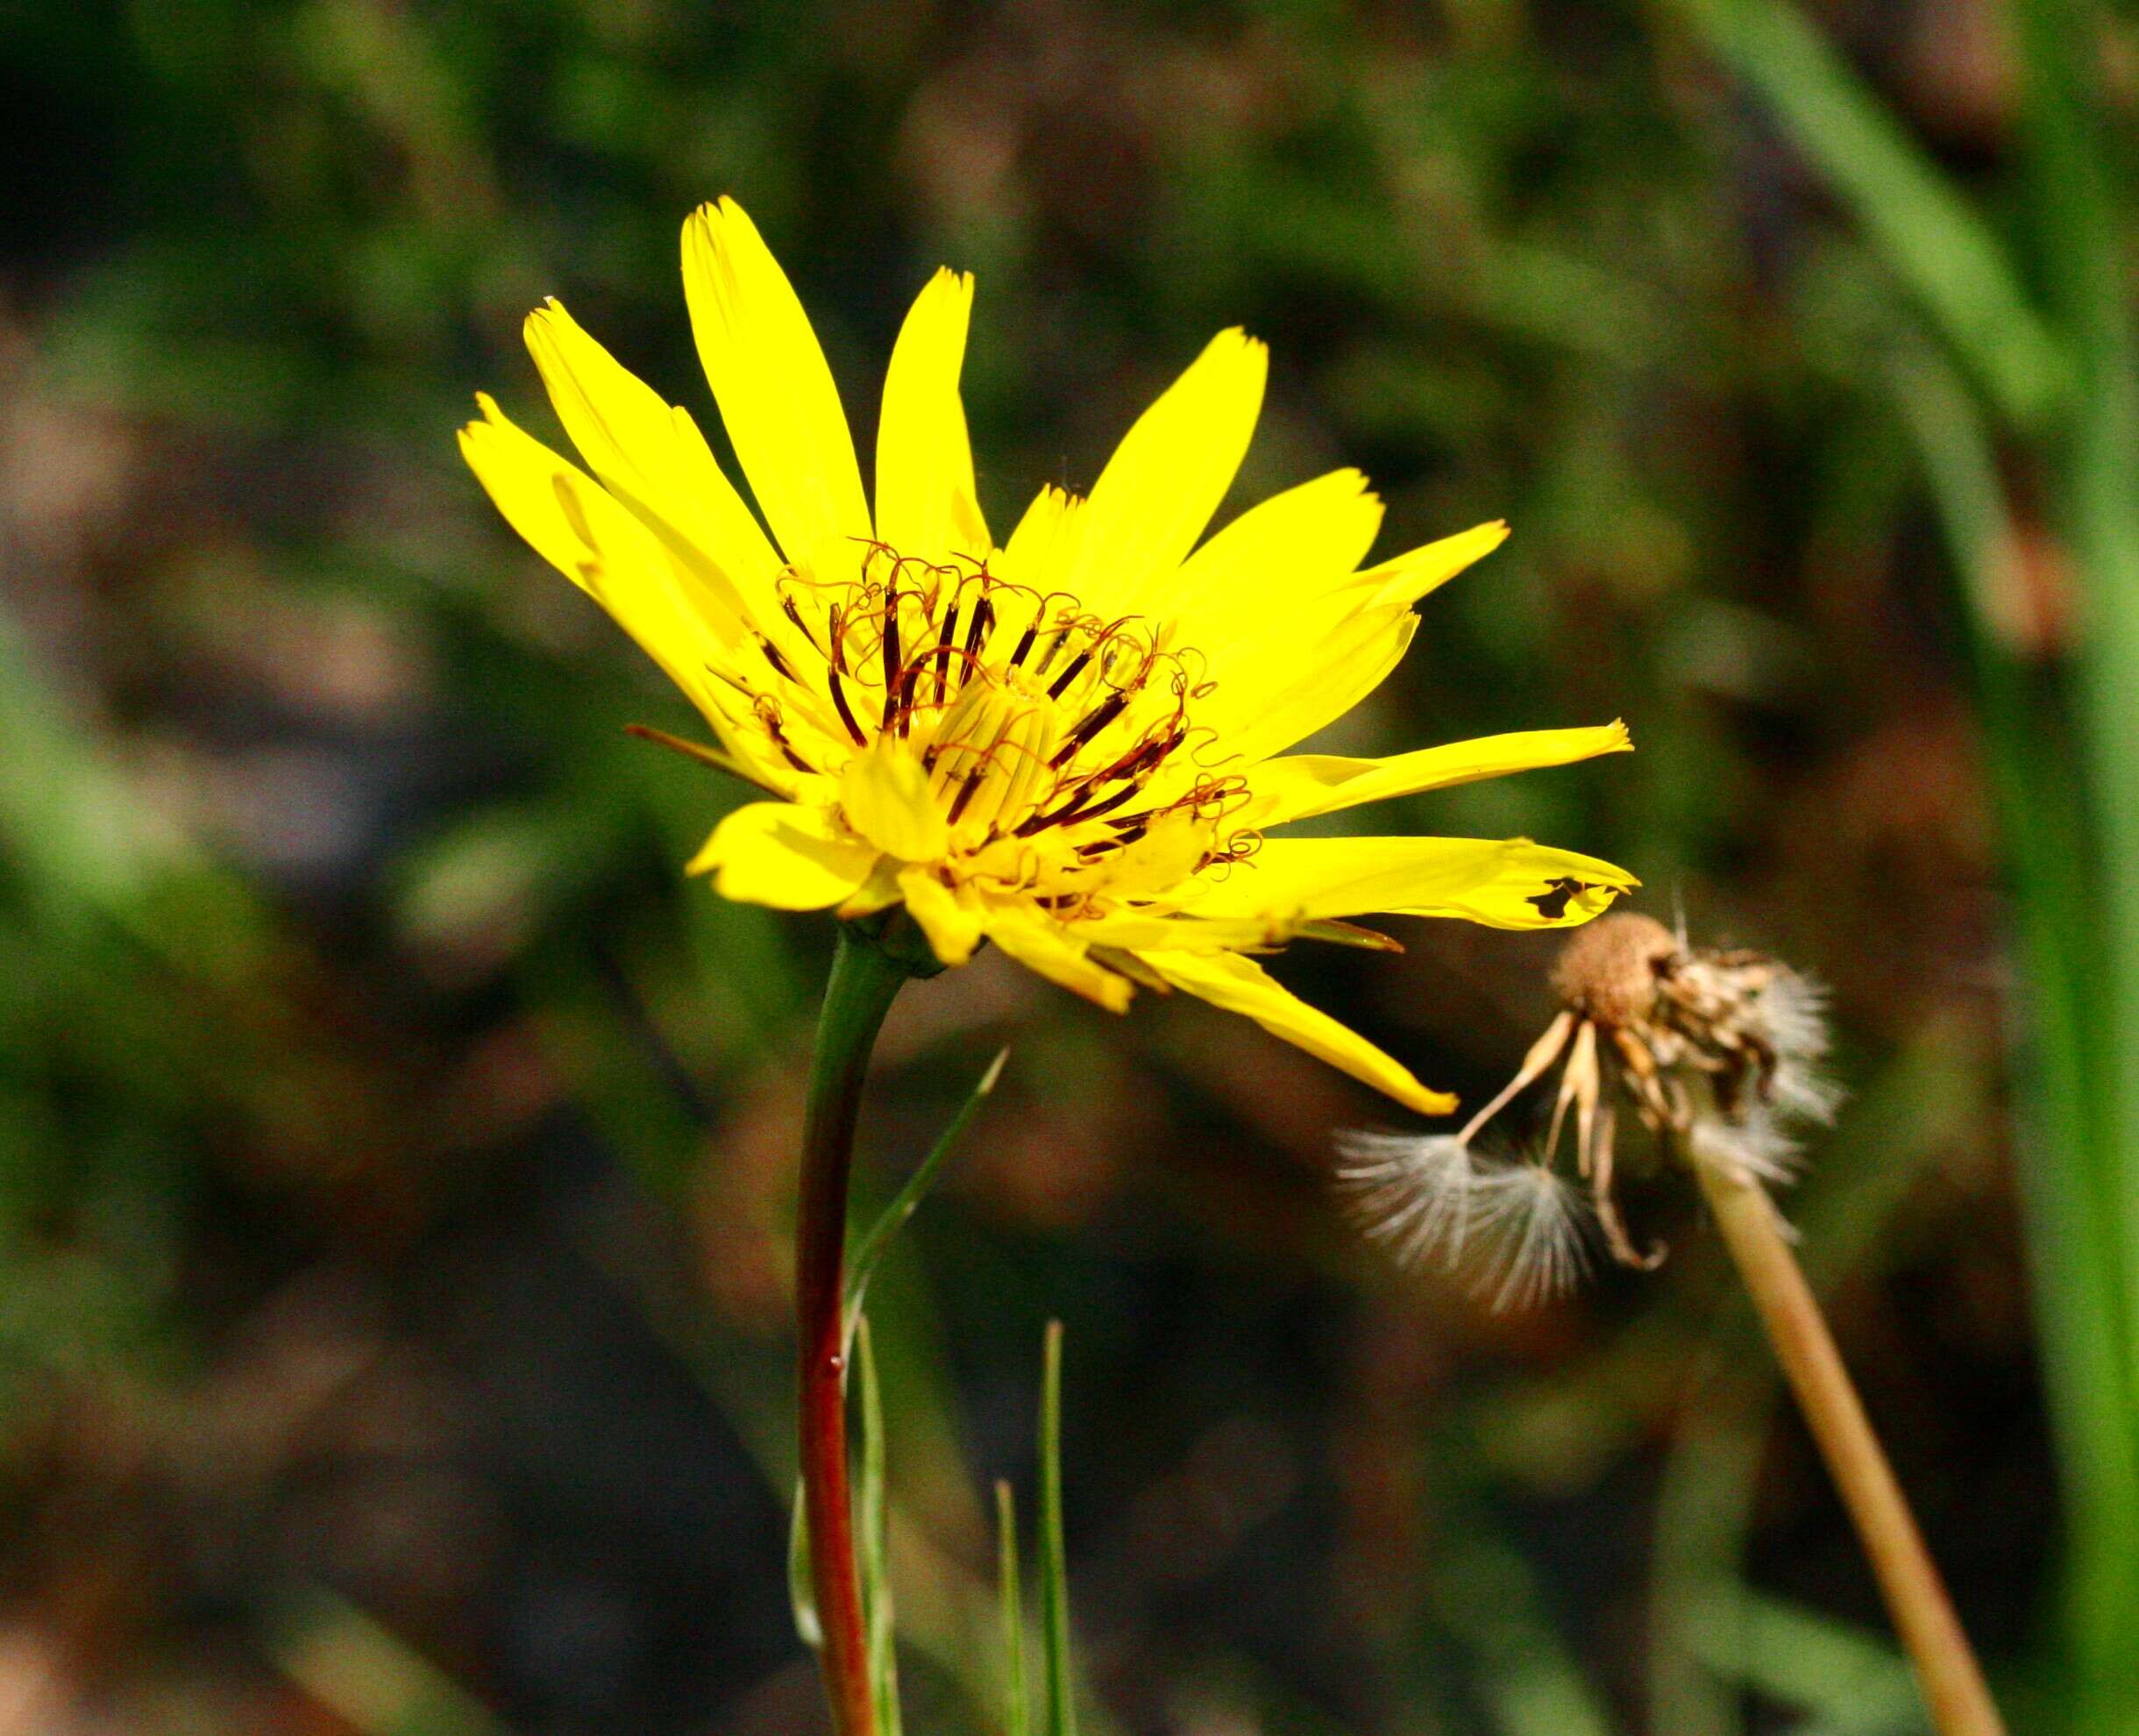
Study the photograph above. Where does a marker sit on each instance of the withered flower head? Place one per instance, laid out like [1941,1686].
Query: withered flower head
[1719,1052]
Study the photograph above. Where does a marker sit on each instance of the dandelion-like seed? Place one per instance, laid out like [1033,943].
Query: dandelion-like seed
[1534,1228]
[1719,1052]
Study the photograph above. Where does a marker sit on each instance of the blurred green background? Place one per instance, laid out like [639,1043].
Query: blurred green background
[394,1152]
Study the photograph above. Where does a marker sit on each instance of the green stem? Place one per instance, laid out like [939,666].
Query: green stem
[864,979]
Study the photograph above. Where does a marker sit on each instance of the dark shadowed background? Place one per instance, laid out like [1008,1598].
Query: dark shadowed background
[396,1152]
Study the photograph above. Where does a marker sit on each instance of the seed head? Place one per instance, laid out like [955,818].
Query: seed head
[1609,972]
[1717,1051]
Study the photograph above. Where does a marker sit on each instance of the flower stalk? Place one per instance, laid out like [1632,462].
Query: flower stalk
[865,977]
[1952,1682]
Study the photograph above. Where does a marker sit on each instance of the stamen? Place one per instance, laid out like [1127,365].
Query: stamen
[975,634]
[964,798]
[1075,669]
[840,705]
[891,645]
[1094,722]
[780,666]
[1079,807]
[793,612]
[838,634]
[943,649]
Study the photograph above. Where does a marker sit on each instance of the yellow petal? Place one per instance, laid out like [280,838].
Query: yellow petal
[1502,883]
[1149,931]
[1305,785]
[776,393]
[1044,947]
[518,473]
[1346,643]
[885,796]
[1043,544]
[879,891]
[1282,694]
[1279,638]
[951,920]
[650,455]
[1258,573]
[1168,476]
[573,524]
[789,857]
[1410,577]
[927,503]
[1241,985]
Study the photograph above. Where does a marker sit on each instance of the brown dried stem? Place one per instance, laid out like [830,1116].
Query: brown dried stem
[1954,1690]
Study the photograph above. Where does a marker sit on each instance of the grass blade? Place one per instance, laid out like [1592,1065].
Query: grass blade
[2081,244]
[365,1674]
[875,1539]
[801,1593]
[1054,1555]
[871,1249]
[1931,238]
[2071,1168]
[1849,1682]
[1017,1693]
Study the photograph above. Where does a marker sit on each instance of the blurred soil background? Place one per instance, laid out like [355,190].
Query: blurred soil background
[396,1152]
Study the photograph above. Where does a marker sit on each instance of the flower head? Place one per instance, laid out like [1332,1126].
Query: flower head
[1070,742]
[1718,1052]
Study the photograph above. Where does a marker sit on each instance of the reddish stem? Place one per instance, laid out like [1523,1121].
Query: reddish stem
[858,993]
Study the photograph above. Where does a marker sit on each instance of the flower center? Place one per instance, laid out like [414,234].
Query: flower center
[1052,738]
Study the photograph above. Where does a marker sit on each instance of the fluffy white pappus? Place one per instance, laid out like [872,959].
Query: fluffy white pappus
[1410,1192]
[1751,1146]
[1803,1090]
[1793,1007]
[1536,1232]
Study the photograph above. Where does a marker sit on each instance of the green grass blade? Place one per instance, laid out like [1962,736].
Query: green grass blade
[1484,1595]
[2072,1164]
[871,1249]
[870,1499]
[1017,1692]
[1703,1514]
[1927,233]
[801,1590]
[1054,1555]
[2084,261]
[365,1674]
[1849,1682]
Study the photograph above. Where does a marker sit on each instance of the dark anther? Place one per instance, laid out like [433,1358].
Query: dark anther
[839,703]
[891,648]
[977,634]
[1024,643]
[772,656]
[907,684]
[1079,807]
[1075,668]
[1094,722]
[793,610]
[944,650]
[958,802]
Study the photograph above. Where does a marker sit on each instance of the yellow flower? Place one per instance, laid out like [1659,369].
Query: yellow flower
[1069,742]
